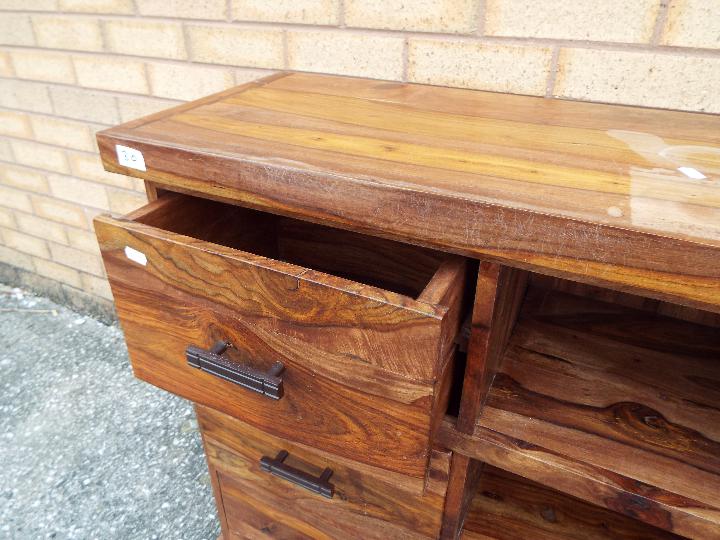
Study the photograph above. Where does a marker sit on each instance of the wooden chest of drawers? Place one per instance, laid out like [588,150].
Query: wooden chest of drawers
[404,311]
[313,357]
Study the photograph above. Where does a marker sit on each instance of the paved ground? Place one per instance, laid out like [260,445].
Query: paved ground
[87,451]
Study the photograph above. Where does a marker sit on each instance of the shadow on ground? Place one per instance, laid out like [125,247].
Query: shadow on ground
[86,450]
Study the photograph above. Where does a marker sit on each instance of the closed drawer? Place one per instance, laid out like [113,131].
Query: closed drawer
[285,503]
[364,327]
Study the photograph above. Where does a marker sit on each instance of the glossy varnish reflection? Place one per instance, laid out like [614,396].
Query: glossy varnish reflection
[616,196]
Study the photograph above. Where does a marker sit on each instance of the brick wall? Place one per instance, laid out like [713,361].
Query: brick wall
[71,67]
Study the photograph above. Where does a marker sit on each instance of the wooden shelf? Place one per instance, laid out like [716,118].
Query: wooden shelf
[507,507]
[618,407]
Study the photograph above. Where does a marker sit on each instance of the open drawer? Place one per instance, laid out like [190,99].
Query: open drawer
[337,340]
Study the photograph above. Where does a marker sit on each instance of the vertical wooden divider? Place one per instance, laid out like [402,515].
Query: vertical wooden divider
[498,296]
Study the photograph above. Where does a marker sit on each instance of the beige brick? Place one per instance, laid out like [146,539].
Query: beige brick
[186,82]
[83,240]
[459,16]
[346,53]
[132,107]
[89,167]
[97,6]
[119,74]
[243,76]
[123,202]
[80,260]
[15,124]
[84,104]
[146,38]
[6,69]
[63,132]
[15,29]
[78,191]
[15,258]
[500,68]
[693,23]
[63,212]
[640,78]
[75,33]
[7,219]
[42,228]
[22,178]
[25,243]
[5,150]
[26,95]
[11,198]
[39,155]
[609,20]
[238,46]
[29,5]
[96,286]
[58,272]
[287,11]
[42,65]
[189,9]
[139,186]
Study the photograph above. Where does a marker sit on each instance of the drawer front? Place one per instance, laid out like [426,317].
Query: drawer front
[347,380]
[255,503]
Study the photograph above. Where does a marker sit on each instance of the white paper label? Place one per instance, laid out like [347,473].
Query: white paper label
[135,255]
[129,157]
[692,173]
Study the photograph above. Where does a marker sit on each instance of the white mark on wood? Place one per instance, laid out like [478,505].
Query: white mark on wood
[135,255]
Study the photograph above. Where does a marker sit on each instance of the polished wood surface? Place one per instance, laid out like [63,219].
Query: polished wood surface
[499,293]
[615,196]
[464,476]
[360,361]
[617,406]
[509,507]
[256,504]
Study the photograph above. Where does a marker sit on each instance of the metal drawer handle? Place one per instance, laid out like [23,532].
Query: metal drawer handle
[269,384]
[319,485]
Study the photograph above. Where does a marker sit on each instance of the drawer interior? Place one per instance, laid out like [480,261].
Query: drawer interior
[389,265]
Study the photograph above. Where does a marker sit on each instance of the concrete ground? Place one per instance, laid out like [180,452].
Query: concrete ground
[86,450]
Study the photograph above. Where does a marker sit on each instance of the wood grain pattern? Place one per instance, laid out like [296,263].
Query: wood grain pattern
[498,295]
[259,505]
[616,406]
[499,292]
[228,431]
[361,362]
[508,507]
[592,192]
[610,296]
[462,484]
[365,323]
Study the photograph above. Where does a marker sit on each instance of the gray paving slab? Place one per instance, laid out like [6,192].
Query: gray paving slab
[86,450]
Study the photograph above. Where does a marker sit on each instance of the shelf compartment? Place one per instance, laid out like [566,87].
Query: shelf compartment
[507,507]
[616,406]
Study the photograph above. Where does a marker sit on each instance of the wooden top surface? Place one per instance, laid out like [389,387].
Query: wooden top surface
[616,196]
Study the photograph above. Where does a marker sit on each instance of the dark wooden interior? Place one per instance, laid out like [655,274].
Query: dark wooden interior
[509,507]
[608,401]
[386,264]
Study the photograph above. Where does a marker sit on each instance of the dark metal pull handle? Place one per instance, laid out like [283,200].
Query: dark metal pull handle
[269,384]
[319,485]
